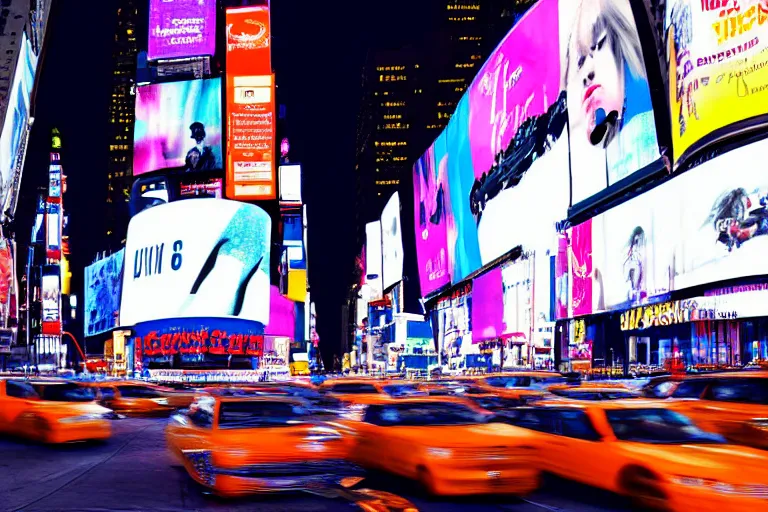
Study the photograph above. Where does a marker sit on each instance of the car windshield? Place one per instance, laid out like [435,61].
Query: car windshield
[657,426]
[431,415]
[353,389]
[524,381]
[257,414]
[402,390]
[65,393]
[138,392]
[596,394]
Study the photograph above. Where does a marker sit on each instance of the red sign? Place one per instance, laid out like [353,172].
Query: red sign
[250,106]
[216,342]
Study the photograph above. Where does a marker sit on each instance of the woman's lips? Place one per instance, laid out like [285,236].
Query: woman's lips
[590,91]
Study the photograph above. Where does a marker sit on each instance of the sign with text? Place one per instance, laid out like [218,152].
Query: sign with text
[181,28]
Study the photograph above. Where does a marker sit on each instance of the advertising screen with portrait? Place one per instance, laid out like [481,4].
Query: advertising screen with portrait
[373,259]
[670,239]
[16,120]
[717,69]
[181,28]
[178,125]
[610,116]
[202,258]
[51,295]
[8,287]
[392,242]
[430,190]
[103,286]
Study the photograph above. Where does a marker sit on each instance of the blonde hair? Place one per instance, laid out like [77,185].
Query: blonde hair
[616,20]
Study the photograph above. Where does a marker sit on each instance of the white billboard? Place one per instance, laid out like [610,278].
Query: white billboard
[373,259]
[203,258]
[392,242]
[290,184]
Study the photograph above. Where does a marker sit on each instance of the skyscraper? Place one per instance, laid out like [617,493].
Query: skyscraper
[121,119]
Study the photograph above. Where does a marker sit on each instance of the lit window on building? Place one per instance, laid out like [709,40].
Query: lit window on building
[463,7]
[451,81]
[465,65]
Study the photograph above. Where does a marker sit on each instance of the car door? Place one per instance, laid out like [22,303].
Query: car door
[366,449]
[579,451]
[738,408]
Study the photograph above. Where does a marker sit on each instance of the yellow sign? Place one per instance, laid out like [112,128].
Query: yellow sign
[666,313]
[718,67]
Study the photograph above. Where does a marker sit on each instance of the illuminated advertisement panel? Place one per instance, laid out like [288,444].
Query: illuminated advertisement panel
[103,286]
[290,184]
[250,105]
[717,69]
[53,231]
[181,28]
[178,125]
[202,258]
[391,242]
[209,188]
[8,285]
[373,259]
[16,116]
[54,181]
[51,294]
[668,239]
[505,151]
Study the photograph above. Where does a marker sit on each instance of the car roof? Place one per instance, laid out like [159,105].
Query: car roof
[624,403]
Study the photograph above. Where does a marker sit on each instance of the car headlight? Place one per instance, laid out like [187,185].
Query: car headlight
[83,417]
[160,401]
[441,453]
[721,487]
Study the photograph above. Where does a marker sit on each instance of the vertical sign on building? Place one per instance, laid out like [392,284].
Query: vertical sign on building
[250,105]
[181,28]
[51,291]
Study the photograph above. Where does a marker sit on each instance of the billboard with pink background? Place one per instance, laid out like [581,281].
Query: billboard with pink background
[429,214]
[282,315]
[487,306]
[178,125]
[181,28]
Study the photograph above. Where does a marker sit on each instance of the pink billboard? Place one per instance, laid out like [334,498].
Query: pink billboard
[430,206]
[520,80]
[487,306]
[282,315]
[181,28]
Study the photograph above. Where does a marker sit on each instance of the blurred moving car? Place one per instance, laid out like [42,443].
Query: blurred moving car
[655,456]
[58,413]
[594,392]
[447,445]
[140,398]
[236,445]
[523,386]
[353,391]
[734,404]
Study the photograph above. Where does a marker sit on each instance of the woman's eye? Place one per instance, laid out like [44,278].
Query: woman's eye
[580,62]
[601,41]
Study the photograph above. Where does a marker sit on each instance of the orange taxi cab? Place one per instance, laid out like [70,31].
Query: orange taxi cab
[140,398]
[647,452]
[57,412]
[447,445]
[734,404]
[234,444]
[521,386]
[353,391]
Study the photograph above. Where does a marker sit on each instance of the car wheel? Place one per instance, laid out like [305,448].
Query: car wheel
[41,429]
[426,481]
[643,487]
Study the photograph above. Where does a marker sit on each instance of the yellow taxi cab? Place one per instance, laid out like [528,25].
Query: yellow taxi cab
[642,449]
[594,392]
[57,412]
[354,391]
[139,398]
[734,404]
[234,444]
[523,386]
[447,445]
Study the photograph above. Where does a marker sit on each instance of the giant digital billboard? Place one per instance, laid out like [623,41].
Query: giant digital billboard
[669,239]
[505,152]
[8,285]
[202,258]
[178,125]
[391,243]
[181,28]
[103,284]
[250,105]
[16,119]
[717,74]
[51,299]
[373,259]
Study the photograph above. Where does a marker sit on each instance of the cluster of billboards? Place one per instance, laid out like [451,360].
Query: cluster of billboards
[561,115]
[178,125]
[383,252]
[103,286]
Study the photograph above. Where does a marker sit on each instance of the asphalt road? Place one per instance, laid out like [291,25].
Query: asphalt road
[133,472]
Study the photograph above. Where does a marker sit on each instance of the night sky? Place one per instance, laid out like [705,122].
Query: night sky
[318,52]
